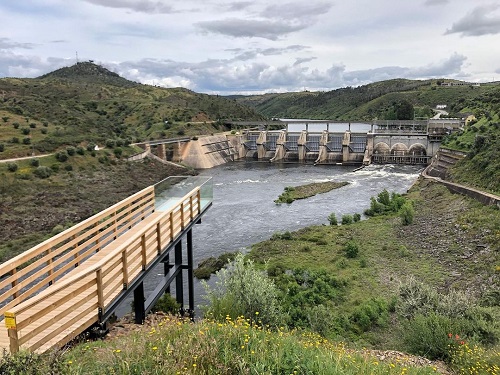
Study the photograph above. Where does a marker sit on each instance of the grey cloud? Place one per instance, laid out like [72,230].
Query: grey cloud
[436,2]
[478,22]
[19,66]
[302,60]
[296,10]
[6,43]
[240,5]
[251,54]
[267,29]
[447,68]
[143,6]
[231,76]
[497,71]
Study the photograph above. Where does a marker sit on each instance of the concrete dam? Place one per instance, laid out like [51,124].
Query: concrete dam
[315,142]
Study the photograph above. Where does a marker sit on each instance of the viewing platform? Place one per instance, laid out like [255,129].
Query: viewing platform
[74,281]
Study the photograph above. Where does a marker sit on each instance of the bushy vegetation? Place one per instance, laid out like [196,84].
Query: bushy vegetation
[431,319]
[293,193]
[242,290]
[385,203]
[234,346]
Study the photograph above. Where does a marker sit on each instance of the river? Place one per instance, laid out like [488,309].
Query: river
[244,212]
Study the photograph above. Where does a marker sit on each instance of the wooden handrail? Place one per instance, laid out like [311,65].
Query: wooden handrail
[49,260]
[134,242]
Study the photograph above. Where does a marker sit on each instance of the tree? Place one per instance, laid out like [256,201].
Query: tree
[404,110]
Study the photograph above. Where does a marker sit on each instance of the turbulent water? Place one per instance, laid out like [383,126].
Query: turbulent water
[244,212]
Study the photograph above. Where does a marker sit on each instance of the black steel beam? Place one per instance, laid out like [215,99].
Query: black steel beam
[139,279]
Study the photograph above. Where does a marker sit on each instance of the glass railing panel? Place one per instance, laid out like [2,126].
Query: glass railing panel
[170,191]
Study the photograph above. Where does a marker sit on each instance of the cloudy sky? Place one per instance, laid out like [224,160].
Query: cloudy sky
[226,47]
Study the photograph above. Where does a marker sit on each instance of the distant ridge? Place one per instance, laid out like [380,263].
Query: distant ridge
[90,72]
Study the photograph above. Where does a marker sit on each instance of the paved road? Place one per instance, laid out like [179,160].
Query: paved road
[439,113]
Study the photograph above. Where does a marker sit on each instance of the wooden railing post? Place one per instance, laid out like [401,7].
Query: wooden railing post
[14,282]
[125,269]
[171,225]
[182,215]
[190,207]
[114,224]
[76,253]
[158,238]
[11,324]
[100,292]
[143,251]
[198,196]
[49,264]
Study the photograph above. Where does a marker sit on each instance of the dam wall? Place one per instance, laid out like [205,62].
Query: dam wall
[209,151]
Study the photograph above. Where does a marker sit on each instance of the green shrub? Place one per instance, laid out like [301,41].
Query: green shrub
[68,167]
[118,151]
[347,219]
[14,140]
[385,203]
[407,213]
[12,167]
[351,249]
[479,323]
[16,125]
[110,143]
[70,150]
[2,147]
[61,156]
[281,236]
[374,312]
[356,217]
[42,172]
[428,335]
[27,363]
[35,162]
[91,146]
[32,125]
[384,198]
[25,131]
[167,304]
[80,150]
[332,219]
[43,131]
[242,290]
[26,141]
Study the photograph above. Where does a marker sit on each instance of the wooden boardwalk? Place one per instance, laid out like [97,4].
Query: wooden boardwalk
[60,288]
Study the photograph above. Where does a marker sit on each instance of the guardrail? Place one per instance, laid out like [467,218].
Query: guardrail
[78,301]
[44,264]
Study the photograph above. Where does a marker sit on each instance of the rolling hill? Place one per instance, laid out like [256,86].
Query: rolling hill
[88,103]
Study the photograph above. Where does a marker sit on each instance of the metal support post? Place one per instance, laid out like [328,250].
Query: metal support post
[140,313]
[179,291]
[190,268]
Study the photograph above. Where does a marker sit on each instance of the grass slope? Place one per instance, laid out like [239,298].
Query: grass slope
[87,103]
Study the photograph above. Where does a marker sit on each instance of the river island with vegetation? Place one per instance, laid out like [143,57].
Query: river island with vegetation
[293,193]
[412,288]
